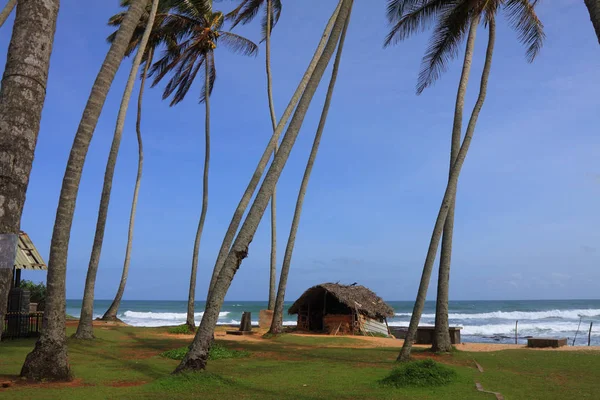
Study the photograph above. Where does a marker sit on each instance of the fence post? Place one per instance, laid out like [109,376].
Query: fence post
[516,332]
[590,333]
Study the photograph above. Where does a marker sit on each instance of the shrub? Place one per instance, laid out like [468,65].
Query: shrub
[422,373]
[37,292]
[180,330]
[217,352]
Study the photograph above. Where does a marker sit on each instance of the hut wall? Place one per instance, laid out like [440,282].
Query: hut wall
[332,321]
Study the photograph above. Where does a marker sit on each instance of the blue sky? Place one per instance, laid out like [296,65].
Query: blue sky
[527,213]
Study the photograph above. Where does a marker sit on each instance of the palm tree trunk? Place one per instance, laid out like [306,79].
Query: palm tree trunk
[6,11]
[593,7]
[197,357]
[441,337]
[264,160]
[111,313]
[22,96]
[277,322]
[192,293]
[273,267]
[48,360]
[449,194]
[84,328]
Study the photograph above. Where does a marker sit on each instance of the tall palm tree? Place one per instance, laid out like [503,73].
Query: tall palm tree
[197,357]
[236,219]
[10,5]
[593,7]
[85,328]
[22,96]
[49,360]
[157,37]
[277,322]
[454,19]
[245,13]
[199,31]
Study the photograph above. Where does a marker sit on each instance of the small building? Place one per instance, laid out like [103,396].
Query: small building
[27,258]
[344,309]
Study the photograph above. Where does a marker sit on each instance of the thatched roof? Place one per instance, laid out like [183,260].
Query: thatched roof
[355,297]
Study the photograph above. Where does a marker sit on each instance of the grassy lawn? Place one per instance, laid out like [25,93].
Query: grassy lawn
[124,363]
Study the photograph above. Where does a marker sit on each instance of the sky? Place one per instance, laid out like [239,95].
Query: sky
[527,207]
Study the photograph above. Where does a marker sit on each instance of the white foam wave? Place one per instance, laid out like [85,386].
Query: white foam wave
[155,319]
[526,329]
[520,315]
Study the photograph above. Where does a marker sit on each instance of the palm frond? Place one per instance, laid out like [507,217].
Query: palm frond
[245,12]
[238,44]
[193,8]
[412,16]
[275,15]
[523,18]
[448,33]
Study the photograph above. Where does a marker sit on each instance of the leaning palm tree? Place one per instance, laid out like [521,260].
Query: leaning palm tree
[454,19]
[10,5]
[199,32]
[593,7]
[157,37]
[85,328]
[277,321]
[22,97]
[245,13]
[197,357]
[240,210]
[49,360]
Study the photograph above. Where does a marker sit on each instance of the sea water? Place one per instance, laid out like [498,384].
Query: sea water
[481,321]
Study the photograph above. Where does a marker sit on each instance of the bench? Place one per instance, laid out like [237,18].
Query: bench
[546,342]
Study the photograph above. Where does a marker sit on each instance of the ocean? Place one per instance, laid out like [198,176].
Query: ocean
[482,321]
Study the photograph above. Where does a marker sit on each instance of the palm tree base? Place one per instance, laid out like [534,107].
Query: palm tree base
[191,364]
[48,361]
[191,326]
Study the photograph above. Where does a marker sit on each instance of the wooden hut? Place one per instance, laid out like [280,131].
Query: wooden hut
[345,309]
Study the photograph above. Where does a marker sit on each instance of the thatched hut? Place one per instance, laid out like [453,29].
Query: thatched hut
[335,308]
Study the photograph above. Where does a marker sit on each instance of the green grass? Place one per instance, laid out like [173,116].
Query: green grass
[180,330]
[423,373]
[217,352]
[126,363]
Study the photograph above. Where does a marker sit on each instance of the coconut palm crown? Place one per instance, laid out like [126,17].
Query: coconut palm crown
[198,33]
[452,19]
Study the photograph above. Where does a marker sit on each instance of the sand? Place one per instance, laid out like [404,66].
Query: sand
[374,342]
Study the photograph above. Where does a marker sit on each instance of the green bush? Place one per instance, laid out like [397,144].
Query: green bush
[422,373]
[217,352]
[180,330]
[37,293]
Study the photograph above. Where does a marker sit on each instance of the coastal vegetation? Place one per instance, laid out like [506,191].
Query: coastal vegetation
[126,363]
[174,42]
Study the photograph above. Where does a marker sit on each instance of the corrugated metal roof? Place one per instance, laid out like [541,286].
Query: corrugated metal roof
[27,255]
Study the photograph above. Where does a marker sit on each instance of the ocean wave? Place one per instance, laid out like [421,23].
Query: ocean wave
[166,316]
[520,315]
[526,329]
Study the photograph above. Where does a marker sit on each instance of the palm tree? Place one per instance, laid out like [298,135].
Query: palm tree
[49,360]
[264,160]
[157,37]
[245,13]
[277,322]
[6,11]
[197,356]
[199,31]
[22,96]
[453,19]
[85,329]
[593,7]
